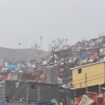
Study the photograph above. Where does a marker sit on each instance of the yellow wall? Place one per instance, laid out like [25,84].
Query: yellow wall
[91,75]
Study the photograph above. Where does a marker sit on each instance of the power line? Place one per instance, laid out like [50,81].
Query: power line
[90,80]
[90,77]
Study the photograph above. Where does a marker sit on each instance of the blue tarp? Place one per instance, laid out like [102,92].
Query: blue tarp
[2,103]
[44,103]
[83,54]
[12,67]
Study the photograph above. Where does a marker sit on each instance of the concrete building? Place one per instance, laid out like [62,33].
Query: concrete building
[33,91]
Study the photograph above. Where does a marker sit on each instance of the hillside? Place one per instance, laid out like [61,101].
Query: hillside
[17,55]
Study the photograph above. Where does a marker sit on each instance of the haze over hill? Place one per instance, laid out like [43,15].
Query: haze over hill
[17,55]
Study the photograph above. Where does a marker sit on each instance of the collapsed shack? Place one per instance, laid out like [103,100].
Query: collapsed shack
[32,91]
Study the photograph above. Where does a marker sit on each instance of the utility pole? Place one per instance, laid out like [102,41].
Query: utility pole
[99,88]
[38,92]
[27,91]
[104,72]
[86,82]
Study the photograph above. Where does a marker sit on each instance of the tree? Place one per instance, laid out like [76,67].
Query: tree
[62,49]
[37,50]
[60,46]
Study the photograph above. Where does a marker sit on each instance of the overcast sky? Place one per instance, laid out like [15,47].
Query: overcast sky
[26,20]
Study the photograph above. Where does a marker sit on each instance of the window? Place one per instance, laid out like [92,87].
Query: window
[79,71]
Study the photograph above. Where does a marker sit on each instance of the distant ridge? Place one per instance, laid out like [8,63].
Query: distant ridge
[17,55]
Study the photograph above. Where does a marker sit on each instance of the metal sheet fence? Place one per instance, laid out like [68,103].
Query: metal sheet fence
[17,103]
[26,103]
